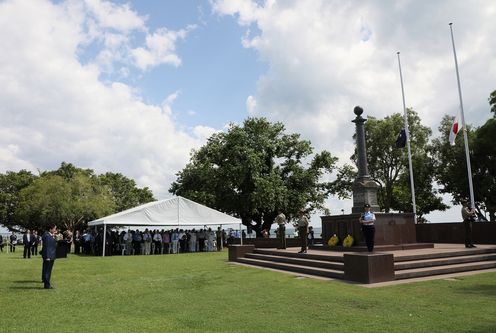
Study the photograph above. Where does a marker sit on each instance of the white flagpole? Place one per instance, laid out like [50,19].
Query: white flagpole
[465,137]
[407,132]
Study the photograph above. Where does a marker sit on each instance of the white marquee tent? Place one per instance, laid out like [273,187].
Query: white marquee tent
[177,212]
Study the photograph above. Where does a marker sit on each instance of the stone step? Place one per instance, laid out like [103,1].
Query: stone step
[438,255]
[448,269]
[377,248]
[443,261]
[298,261]
[329,273]
[330,258]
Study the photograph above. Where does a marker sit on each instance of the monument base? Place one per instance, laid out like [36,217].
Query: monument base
[390,228]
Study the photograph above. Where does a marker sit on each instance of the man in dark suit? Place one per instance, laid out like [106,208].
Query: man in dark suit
[34,243]
[48,253]
[27,241]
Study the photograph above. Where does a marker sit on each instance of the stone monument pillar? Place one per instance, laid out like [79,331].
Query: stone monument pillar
[364,188]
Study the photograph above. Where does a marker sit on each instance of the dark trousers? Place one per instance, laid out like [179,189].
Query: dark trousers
[77,247]
[281,235]
[46,272]
[34,249]
[158,247]
[369,234]
[27,251]
[12,247]
[302,233]
[468,232]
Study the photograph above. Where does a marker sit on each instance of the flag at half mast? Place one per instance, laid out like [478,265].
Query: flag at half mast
[455,128]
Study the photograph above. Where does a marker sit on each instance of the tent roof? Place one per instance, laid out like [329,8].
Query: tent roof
[177,211]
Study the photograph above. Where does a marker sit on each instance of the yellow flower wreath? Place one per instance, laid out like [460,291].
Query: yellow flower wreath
[348,241]
[333,241]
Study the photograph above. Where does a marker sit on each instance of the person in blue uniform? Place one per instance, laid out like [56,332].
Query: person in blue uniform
[367,220]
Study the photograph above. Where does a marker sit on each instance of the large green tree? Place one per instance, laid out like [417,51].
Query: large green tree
[69,197]
[492,102]
[451,166]
[254,170]
[11,183]
[68,202]
[484,167]
[125,192]
[388,166]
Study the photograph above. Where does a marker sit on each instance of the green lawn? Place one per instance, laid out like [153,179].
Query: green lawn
[203,293]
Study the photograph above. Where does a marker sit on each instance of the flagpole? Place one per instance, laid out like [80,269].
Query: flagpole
[465,137]
[407,132]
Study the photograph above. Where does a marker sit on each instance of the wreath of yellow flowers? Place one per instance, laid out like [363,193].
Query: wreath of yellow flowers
[333,241]
[348,241]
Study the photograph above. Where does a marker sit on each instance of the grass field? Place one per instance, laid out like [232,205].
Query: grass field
[203,293]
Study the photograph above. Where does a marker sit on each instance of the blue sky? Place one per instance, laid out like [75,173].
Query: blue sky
[134,86]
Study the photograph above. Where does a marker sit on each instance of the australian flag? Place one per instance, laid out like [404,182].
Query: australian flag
[401,139]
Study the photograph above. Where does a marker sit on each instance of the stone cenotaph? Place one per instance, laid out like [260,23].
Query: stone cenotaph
[394,231]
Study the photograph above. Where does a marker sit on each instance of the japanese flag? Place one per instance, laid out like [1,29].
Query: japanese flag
[455,128]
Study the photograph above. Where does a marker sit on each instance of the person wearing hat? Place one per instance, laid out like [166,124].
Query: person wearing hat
[367,220]
[468,215]
[281,231]
[303,230]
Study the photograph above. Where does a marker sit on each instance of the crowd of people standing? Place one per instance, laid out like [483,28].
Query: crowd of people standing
[30,241]
[149,242]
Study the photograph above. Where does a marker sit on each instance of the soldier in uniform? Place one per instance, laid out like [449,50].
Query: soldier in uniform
[281,232]
[468,215]
[303,230]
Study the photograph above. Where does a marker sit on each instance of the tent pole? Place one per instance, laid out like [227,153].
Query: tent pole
[104,238]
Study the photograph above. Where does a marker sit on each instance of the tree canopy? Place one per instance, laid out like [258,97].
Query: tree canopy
[11,183]
[124,191]
[69,197]
[492,102]
[255,170]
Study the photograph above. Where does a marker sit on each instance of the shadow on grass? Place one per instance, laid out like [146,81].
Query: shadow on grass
[27,287]
[27,284]
[482,289]
[491,328]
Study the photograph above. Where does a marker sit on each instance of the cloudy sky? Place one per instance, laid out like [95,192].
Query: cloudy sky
[133,86]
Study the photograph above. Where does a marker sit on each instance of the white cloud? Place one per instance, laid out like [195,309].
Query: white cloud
[251,104]
[203,132]
[160,48]
[325,57]
[54,108]
[118,17]
[167,103]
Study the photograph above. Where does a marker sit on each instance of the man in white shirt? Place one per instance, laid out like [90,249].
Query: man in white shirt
[157,240]
[27,240]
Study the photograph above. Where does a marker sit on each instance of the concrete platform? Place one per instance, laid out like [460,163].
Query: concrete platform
[415,264]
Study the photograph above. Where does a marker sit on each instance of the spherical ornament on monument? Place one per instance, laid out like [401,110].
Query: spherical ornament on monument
[358,110]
